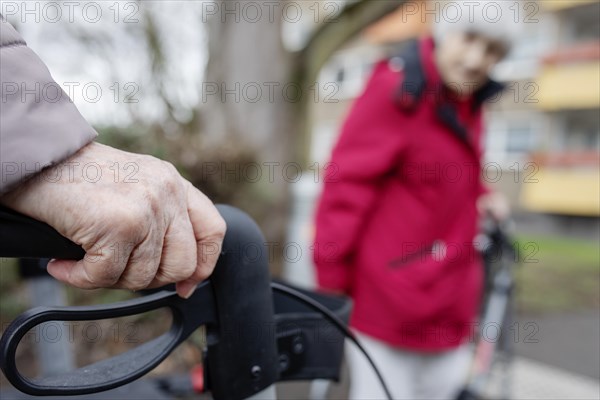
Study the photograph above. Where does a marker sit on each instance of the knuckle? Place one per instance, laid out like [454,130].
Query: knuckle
[169,166]
[171,180]
[182,270]
[153,205]
[221,226]
[170,186]
[169,170]
[188,270]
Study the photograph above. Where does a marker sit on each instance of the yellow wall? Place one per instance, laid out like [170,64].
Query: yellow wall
[571,192]
[560,4]
[569,86]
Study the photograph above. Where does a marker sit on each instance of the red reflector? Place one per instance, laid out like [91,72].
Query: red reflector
[198,379]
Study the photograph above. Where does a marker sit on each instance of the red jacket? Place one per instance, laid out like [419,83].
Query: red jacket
[397,218]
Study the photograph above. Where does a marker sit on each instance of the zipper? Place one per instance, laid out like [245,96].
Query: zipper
[404,260]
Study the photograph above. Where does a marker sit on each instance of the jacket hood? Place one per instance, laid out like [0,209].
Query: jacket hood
[420,72]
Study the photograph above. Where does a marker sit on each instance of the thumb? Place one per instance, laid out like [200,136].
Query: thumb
[92,272]
[61,269]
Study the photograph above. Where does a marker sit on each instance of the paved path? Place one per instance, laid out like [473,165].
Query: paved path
[530,380]
[570,341]
[534,380]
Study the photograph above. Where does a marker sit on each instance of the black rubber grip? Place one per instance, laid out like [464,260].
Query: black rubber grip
[25,237]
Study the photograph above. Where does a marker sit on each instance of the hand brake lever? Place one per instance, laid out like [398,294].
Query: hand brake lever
[107,374]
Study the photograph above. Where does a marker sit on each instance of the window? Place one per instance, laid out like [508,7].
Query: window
[584,22]
[582,130]
[518,138]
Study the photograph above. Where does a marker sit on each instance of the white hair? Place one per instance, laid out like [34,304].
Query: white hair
[499,20]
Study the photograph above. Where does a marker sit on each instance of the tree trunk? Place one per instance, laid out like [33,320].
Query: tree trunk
[256,93]
[245,105]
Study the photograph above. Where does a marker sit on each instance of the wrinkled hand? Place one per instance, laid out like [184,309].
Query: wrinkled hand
[141,224]
[496,204]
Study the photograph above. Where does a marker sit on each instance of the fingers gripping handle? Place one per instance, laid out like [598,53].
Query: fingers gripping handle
[234,301]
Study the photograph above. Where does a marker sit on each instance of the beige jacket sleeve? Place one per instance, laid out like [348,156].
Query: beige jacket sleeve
[39,125]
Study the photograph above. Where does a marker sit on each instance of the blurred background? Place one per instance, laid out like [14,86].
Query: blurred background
[246,98]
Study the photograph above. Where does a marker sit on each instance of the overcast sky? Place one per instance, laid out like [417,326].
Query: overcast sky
[101,61]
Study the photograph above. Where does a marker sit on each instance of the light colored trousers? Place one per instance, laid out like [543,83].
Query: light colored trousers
[409,375]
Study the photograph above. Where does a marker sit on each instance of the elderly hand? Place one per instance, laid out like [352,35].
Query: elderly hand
[141,224]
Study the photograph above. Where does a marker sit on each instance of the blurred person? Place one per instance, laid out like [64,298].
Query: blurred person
[397,219]
[144,232]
